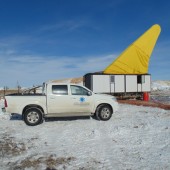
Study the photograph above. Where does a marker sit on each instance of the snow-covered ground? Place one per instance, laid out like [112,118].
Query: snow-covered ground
[160,97]
[160,91]
[134,138]
[160,85]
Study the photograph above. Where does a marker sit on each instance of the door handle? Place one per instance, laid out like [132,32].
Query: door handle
[52,97]
[73,98]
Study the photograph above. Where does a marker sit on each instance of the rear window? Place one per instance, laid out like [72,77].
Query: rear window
[60,89]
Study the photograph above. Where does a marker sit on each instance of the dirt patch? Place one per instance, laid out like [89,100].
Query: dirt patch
[145,103]
[51,162]
[92,165]
[9,147]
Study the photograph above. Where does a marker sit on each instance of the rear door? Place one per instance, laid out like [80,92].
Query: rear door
[58,99]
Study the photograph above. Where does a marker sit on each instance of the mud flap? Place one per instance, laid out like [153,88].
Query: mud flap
[97,117]
[97,114]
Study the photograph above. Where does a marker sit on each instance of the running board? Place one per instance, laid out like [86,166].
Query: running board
[67,114]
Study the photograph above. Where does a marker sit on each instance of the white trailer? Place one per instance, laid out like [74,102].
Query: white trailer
[118,84]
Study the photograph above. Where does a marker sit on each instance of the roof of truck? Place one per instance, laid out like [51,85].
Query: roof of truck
[64,83]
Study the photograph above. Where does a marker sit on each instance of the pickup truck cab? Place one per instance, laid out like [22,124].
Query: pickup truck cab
[60,100]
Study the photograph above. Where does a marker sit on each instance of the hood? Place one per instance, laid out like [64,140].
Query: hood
[105,96]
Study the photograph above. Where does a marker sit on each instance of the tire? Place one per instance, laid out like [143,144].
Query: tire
[33,116]
[104,112]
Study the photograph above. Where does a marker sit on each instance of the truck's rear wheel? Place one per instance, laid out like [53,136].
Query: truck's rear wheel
[33,116]
[104,112]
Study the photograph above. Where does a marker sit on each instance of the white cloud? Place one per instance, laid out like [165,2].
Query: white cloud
[66,25]
[26,59]
[69,26]
[31,69]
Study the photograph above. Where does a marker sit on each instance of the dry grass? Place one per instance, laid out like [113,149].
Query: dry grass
[8,92]
[9,147]
[51,162]
[77,80]
[71,80]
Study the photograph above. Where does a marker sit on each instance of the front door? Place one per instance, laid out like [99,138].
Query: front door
[81,101]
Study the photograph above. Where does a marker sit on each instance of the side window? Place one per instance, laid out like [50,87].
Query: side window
[77,90]
[60,89]
[140,79]
[112,79]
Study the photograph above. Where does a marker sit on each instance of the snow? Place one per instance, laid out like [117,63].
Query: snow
[160,92]
[160,85]
[4,116]
[135,137]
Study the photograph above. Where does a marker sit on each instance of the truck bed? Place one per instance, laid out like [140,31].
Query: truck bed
[30,94]
[17,102]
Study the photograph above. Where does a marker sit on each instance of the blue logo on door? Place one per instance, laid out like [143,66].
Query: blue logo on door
[82,99]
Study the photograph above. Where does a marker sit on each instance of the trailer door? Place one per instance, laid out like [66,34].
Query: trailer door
[101,83]
[131,83]
[119,83]
[146,85]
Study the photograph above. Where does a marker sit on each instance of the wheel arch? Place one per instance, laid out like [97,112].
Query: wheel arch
[32,106]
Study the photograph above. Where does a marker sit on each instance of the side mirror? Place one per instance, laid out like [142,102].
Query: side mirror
[89,93]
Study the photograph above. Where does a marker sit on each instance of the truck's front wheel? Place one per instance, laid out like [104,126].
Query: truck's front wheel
[33,116]
[104,112]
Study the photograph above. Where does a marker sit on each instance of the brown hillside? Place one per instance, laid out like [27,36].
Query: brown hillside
[69,80]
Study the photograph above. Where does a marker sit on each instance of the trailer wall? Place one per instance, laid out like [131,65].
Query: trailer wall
[110,83]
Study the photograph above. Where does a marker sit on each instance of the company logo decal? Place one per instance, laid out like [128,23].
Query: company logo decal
[82,99]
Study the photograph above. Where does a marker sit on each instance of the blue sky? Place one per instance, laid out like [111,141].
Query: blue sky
[43,40]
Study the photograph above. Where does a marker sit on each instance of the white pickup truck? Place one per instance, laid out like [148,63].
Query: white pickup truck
[60,100]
